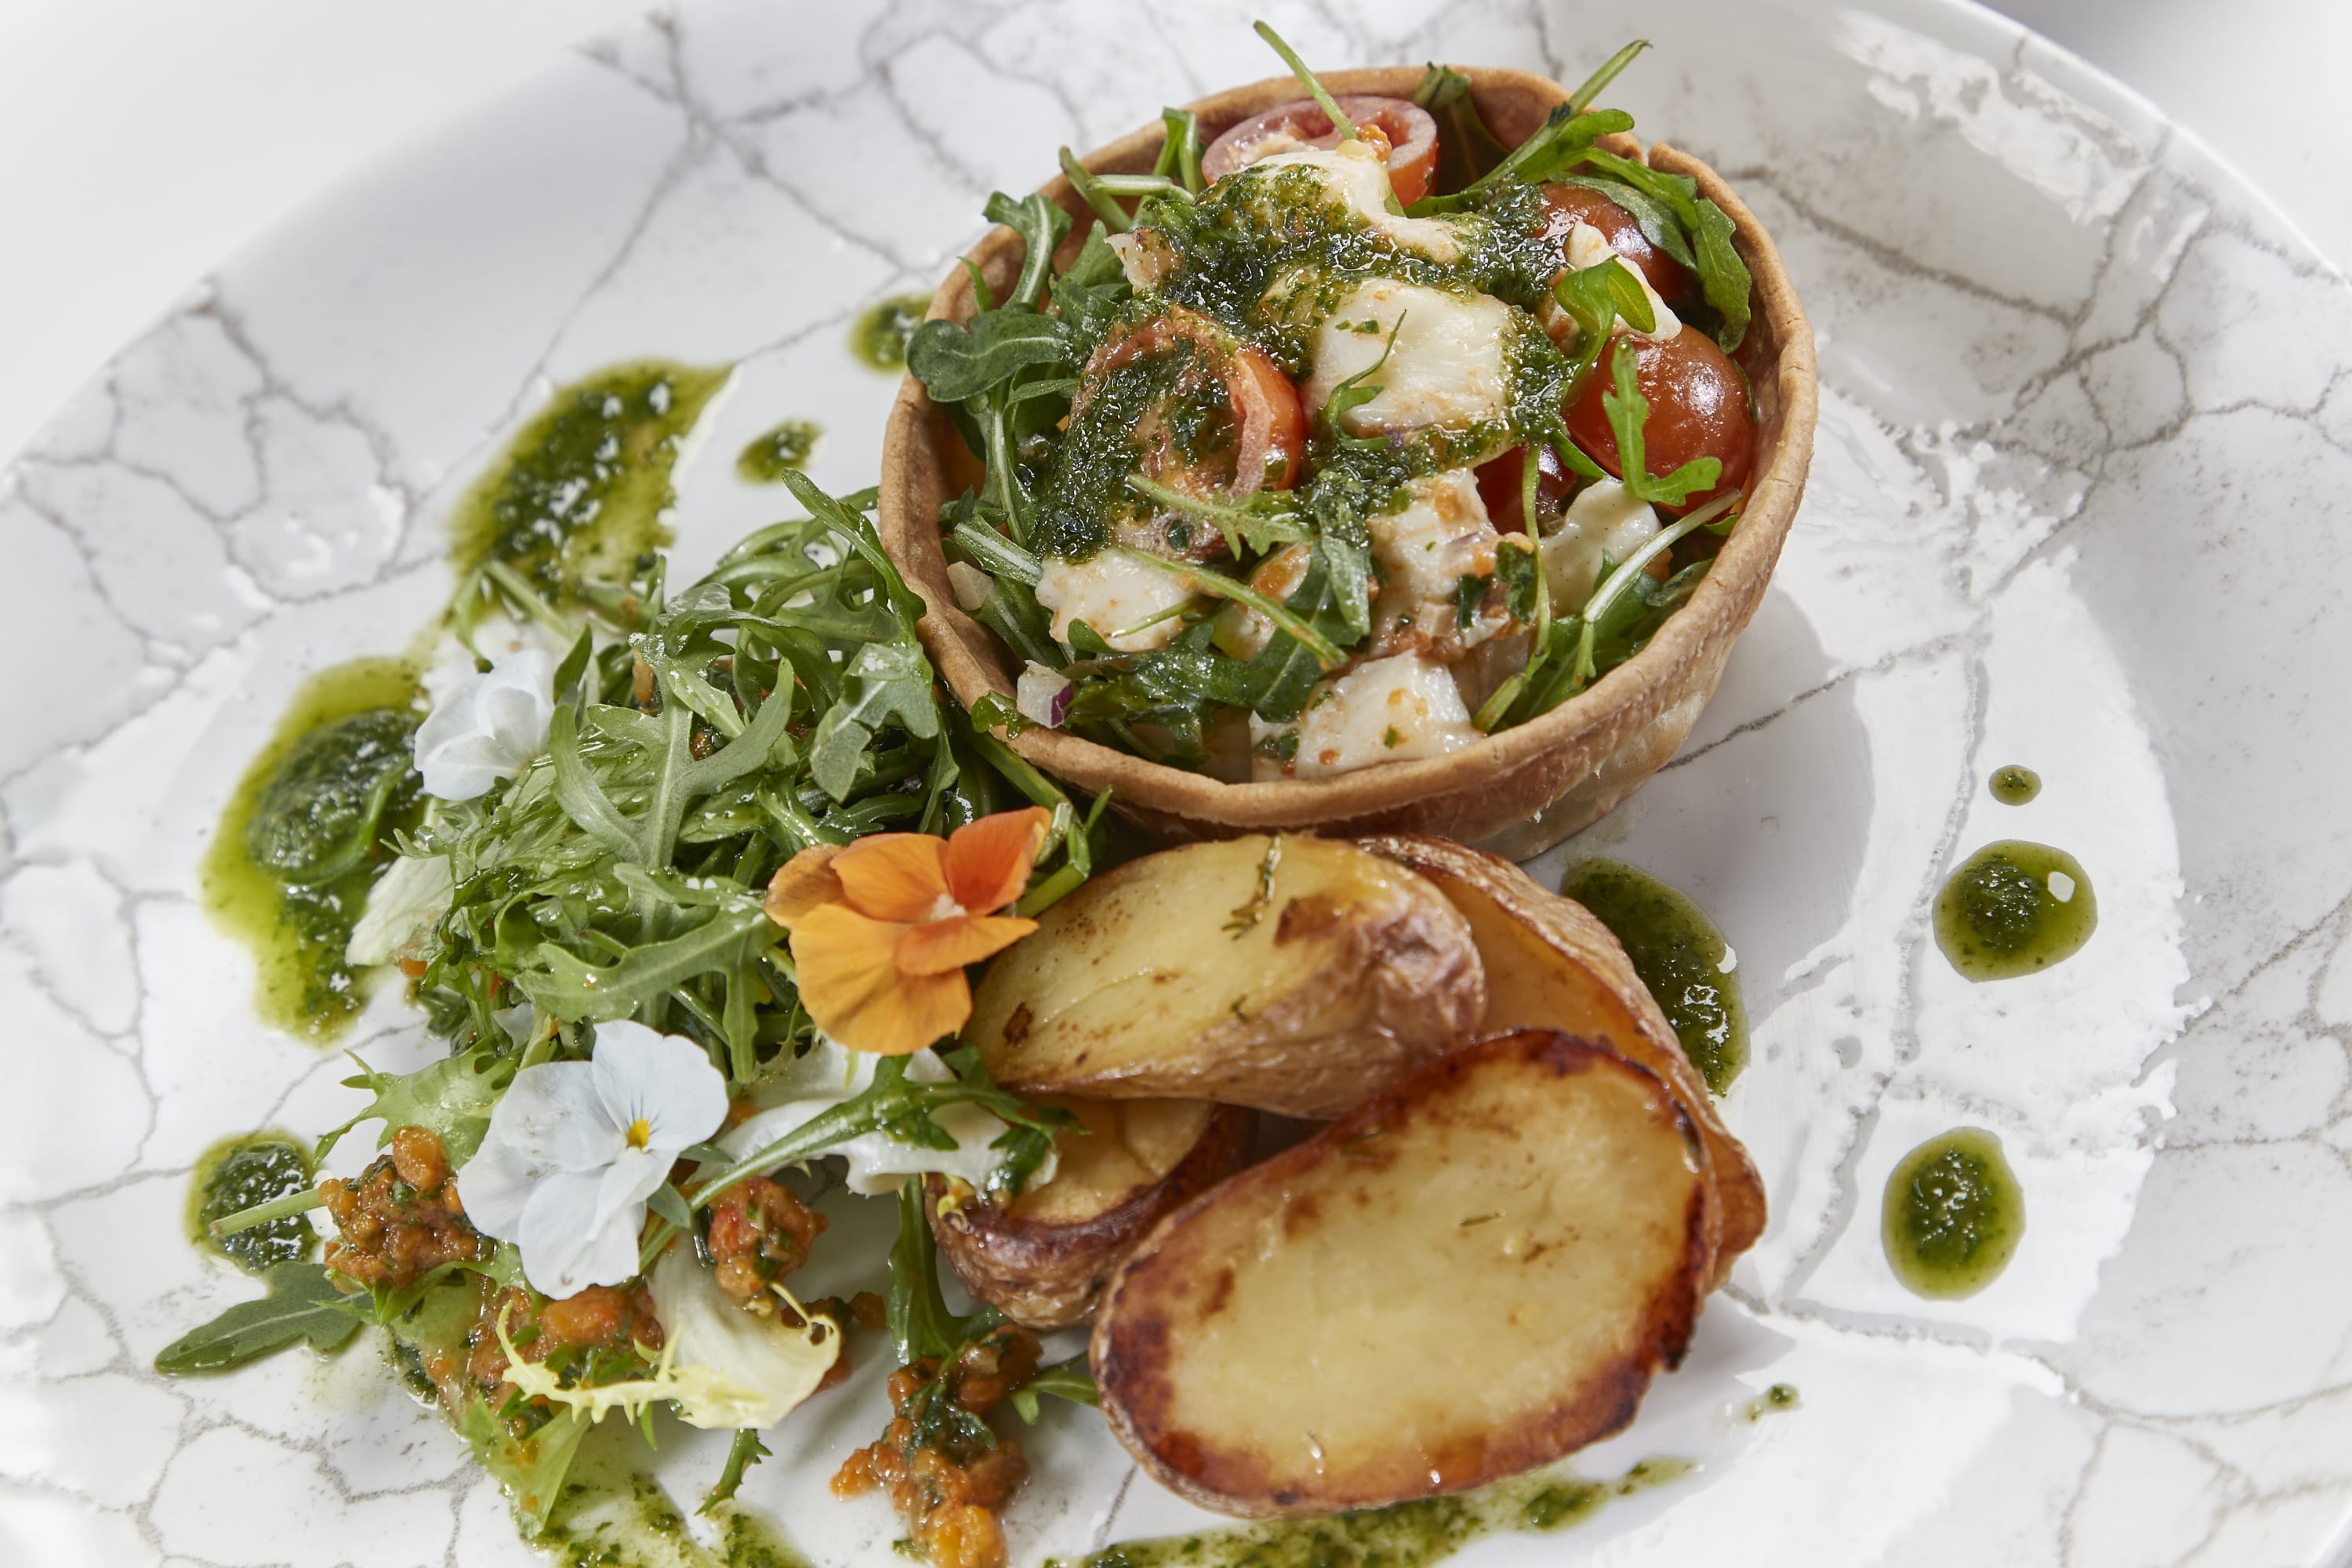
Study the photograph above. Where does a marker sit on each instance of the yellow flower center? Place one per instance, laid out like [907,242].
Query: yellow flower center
[641,1132]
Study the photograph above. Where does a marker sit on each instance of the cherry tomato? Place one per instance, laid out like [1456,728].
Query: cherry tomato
[1409,129]
[1500,482]
[1698,408]
[1564,207]
[1269,424]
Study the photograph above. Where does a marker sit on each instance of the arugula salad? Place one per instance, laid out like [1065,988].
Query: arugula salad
[585,866]
[1352,435]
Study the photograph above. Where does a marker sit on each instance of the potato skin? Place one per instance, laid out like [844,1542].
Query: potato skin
[1330,1331]
[1182,976]
[1551,964]
[1047,1273]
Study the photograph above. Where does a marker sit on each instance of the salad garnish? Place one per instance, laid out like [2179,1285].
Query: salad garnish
[882,928]
[685,860]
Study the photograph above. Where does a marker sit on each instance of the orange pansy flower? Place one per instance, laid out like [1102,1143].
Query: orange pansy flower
[881,928]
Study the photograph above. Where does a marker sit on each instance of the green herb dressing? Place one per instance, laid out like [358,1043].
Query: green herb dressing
[1085,491]
[782,451]
[2014,785]
[1273,253]
[1679,955]
[297,933]
[580,492]
[1953,1215]
[2014,907]
[1402,1535]
[234,1174]
[878,337]
[1777,1400]
[615,1516]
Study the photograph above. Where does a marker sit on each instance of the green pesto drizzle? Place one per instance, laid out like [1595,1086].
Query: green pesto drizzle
[1084,493]
[2014,907]
[297,932]
[613,1515]
[1952,1215]
[1779,1399]
[784,449]
[1402,1535]
[2015,785]
[236,1174]
[878,337]
[580,492]
[1679,955]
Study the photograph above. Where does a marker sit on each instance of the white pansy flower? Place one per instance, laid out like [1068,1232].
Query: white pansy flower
[414,891]
[488,728]
[799,1091]
[574,1149]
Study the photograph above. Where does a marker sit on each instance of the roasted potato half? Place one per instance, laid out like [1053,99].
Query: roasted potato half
[1044,1259]
[1551,964]
[1289,974]
[1472,1274]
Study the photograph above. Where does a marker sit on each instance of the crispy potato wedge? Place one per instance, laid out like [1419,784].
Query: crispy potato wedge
[1472,1274]
[1551,964]
[1290,973]
[1044,1259]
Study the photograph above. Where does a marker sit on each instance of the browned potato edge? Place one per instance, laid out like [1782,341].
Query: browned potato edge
[1048,1275]
[1643,1034]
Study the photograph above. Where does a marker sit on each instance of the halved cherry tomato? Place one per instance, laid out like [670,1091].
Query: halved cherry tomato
[1267,438]
[1564,207]
[1409,128]
[1698,408]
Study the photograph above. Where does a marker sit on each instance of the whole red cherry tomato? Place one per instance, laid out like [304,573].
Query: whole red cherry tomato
[1698,408]
[1564,207]
[1500,486]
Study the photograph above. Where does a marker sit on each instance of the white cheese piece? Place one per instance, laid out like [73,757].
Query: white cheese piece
[1382,710]
[1449,366]
[1602,517]
[1144,257]
[1588,247]
[1241,631]
[1357,177]
[1422,554]
[1110,590]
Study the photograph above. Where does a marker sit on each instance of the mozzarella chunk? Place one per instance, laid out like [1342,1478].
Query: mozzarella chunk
[1422,552]
[1109,590]
[1602,518]
[1450,364]
[1144,257]
[1588,248]
[1241,631]
[1357,177]
[1382,710]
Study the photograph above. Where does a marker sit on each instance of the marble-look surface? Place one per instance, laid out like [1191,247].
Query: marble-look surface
[2086,418]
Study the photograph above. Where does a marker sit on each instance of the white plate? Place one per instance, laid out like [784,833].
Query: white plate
[2077,500]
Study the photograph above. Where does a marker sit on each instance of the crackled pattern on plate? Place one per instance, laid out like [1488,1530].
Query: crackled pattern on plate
[2085,418]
